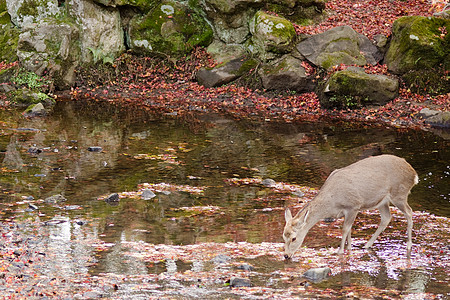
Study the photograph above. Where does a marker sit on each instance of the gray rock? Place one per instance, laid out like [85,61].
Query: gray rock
[317,274]
[268,182]
[225,73]
[147,194]
[220,259]
[112,198]
[35,110]
[440,120]
[55,199]
[51,46]
[339,45]
[286,74]
[246,267]
[95,149]
[101,32]
[427,113]
[354,87]
[239,282]
[272,36]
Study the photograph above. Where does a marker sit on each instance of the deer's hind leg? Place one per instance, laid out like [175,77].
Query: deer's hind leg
[385,214]
[402,204]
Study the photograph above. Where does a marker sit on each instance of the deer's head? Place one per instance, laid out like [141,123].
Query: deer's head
[294,232]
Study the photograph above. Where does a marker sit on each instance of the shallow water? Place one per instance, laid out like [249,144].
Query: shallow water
[42,157]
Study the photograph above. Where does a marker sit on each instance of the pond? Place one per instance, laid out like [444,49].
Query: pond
[206,173]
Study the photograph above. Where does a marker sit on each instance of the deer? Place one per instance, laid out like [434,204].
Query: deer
[373,182]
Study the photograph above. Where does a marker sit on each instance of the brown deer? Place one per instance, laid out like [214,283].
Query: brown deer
[373,182]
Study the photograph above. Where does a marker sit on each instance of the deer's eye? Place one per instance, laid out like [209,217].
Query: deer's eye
[294,239]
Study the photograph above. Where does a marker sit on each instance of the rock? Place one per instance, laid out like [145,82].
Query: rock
[9,37]
[287,74]
[246,267]
[339,45]
[25,97]
[112,198]
[317,274]
[416,45]
[353,87]
[223,53]
[101,32]
[171,28]
[30,12]
[426,112]
[440,120]
[95,149]
[230,19]
[298,193]
[239,282]
[32,206]
[220,259]
[55,199]
[445,14]
[268,182]
[147,194]
[225,73]
[51,46]
[35,110]
[272,36]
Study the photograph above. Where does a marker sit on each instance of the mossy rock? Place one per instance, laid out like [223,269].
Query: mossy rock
[170,28]
[354,88]
[144,5]
[272,36]
[9,37]
[302,12]
[418,43]
[25,97]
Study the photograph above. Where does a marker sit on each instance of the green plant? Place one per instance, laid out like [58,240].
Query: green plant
[29,79]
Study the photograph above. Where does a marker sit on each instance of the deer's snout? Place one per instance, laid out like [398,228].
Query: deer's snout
[286,257]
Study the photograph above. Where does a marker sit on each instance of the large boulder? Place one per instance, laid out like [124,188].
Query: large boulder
[418,43]
[171,28]
[230,18]
[339,45]
[50,46]
[353,87]
[101,33]
[29,12]
[272,36]
[285,74]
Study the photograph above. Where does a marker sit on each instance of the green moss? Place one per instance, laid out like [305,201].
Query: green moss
[417,44]
[170,28]
[9,38]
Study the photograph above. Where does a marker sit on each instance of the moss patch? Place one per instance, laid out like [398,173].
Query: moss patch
[171,28]
[418,43]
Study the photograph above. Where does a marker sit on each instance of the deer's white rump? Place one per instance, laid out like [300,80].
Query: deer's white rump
[373,182]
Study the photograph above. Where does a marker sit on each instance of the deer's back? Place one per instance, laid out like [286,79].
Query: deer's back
[365,184]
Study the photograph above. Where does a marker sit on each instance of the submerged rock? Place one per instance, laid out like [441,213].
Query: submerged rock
[239,282]
[147,194]
[246,267]
[95,149]
[317,274]
[220,259]
[55,199]
[112,198]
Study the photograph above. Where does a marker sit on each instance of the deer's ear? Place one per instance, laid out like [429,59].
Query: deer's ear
[305,217]
[287,215]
